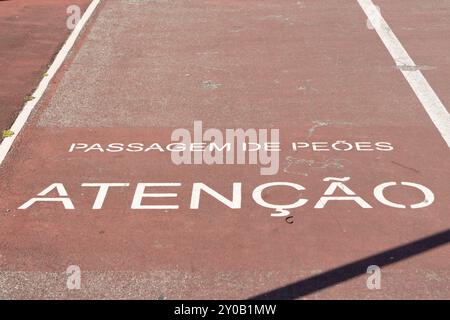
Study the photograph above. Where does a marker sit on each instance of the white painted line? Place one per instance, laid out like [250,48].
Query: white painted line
[426,95]
[22,118]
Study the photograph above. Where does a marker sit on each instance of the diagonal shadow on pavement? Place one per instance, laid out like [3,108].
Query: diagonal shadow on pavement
[351,270]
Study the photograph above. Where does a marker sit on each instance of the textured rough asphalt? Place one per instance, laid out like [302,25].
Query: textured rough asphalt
[31,33]
[311,69]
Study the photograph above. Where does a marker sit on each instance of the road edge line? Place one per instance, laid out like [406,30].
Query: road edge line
[416,80]
[25,113]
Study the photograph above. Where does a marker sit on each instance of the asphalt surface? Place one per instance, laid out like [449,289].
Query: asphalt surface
[31,33]
[313,70]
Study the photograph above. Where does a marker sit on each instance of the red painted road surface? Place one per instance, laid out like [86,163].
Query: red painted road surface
[31,32]
[312,70]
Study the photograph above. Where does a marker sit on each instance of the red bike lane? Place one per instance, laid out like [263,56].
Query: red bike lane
[31,33]
[310,71]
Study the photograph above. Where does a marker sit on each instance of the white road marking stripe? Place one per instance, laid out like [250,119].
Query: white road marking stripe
[22,118]
[426,95]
